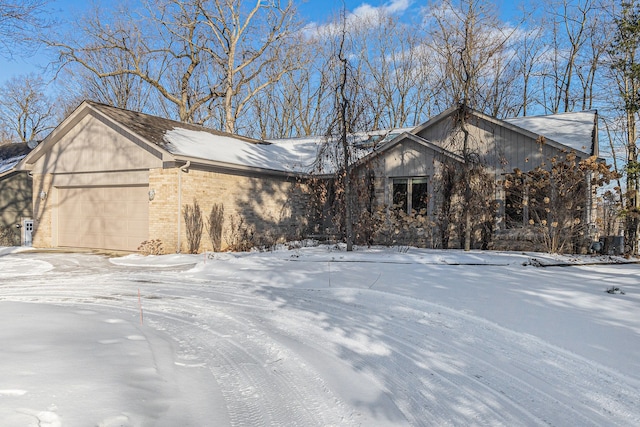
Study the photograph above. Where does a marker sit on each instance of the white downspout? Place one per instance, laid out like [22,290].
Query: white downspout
[184,168]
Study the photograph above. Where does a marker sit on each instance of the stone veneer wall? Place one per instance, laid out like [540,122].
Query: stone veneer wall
[276,207]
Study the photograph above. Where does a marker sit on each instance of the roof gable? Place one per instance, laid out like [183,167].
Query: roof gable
[572,131]
[410,136]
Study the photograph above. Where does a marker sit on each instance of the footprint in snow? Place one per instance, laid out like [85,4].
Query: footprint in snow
[43,418]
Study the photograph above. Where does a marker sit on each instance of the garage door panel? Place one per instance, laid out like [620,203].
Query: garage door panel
[115,241]
[138,211]
[115,226]
[77,240]
[103,217]
[139,229]
[114,210]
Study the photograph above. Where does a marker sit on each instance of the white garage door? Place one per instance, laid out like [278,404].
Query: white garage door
[103,217]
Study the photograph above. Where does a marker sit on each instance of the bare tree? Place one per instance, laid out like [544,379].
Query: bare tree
[471,45]
[348,116]
[25,110]
[569,23]
[391,54]
[250,47]
[123,90]
[203,59]
[468,40]
[20,21]
[161,50]
[296,105]
[625,63]
[599,34]
[530,50]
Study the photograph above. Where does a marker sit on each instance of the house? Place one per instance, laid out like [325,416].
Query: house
[111,179]
[15,195]
[407,167]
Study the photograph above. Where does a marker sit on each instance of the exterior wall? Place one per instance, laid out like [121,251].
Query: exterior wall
[15,201]
[405,160]
[43,211]
[274,206]
[87,153]
[500,148]
[163,209]
[93,146]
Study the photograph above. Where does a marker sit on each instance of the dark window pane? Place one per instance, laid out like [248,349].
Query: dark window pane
[513,211]
[514,204]
[419,195]
[400,194]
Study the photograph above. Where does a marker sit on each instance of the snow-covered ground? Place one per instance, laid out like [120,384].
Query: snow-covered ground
[318,337]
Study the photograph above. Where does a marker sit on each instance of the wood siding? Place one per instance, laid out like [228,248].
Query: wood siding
[501,149]
[93,145]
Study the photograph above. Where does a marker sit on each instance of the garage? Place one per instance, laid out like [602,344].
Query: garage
[108,217]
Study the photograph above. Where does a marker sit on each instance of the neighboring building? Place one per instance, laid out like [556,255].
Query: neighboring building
[110,178]
[15,195]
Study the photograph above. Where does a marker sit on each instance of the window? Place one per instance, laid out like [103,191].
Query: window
[410,194]
[400,192]
[515,206]
[526,203]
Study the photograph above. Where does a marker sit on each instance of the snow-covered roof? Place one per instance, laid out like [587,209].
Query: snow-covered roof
[285,156]
[575,130]
[8,164]
[296,155]
[11,155]
[305,155]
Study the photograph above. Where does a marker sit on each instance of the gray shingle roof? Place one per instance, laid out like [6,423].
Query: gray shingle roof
[153,128]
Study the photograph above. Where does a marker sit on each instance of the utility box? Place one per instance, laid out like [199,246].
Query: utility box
[612,245]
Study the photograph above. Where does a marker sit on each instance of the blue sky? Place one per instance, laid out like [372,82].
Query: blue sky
[311,10]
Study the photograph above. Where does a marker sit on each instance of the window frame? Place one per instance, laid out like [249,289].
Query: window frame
[409,199]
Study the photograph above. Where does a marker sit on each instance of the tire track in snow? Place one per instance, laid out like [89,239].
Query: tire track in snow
[262,382]
[512,393]
[254,394]
[522,379]
[501,376]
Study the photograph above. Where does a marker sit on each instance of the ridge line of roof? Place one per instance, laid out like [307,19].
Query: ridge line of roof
[107,109]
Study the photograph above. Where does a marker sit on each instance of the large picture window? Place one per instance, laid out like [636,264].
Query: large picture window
[410,194]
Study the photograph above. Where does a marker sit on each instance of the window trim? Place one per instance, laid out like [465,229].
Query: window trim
[409,181]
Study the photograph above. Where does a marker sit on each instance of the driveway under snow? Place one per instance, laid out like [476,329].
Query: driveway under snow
[318,337]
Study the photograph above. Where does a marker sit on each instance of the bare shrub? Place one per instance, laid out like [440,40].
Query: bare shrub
[214,226]
[194,224]
[398,228]
[8,237]
[240,236]
[151,247]
[552,201]
[266,241]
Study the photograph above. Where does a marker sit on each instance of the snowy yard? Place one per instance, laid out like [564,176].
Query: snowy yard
[317,337]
